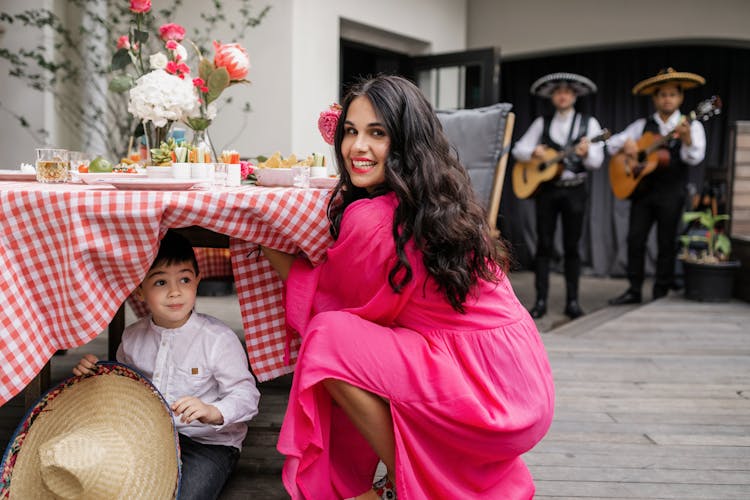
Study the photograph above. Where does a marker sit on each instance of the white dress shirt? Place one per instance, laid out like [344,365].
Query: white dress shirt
[559,131]
[691,155]
[202,358]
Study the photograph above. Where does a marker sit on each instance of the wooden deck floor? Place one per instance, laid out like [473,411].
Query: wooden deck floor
[653,402]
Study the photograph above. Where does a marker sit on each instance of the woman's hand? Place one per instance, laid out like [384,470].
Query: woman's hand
[87,365]
[281,261]
[190,408]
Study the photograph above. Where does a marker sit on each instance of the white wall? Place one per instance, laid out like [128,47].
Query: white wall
[16,143]
[315,29]
[535,26]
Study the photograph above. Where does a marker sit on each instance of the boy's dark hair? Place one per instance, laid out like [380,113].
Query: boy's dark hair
[174,249]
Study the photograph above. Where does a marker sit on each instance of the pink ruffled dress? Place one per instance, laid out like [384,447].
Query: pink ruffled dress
[469,393]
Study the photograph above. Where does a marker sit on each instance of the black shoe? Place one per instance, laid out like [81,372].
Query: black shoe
[573,309]
[629,297]
[539,309]
[658,293]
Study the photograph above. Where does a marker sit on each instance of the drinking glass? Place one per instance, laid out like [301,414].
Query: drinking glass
[301,176]
[52,165]
[220,175]
[78,160]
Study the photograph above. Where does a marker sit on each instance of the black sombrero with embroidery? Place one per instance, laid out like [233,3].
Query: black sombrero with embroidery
[545,85]
[682,78]
[108,435]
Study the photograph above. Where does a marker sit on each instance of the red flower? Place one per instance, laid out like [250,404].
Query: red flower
[140,6]
[233,57]
[123,42]
[171,44]
[171,31]
[246,169]
[327,122]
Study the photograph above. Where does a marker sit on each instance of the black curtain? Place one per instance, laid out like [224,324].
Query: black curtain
[616,71]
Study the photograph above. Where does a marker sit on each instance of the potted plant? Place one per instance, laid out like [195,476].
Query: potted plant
[709,273]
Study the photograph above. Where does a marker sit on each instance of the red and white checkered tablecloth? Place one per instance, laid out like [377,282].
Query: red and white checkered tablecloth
[71,254]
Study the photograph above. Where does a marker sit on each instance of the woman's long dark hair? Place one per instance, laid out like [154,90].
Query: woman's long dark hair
[436,203]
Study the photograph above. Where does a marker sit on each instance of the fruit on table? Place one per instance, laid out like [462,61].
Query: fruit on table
[100,165]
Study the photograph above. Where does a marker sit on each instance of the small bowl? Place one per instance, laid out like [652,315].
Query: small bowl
[274,176]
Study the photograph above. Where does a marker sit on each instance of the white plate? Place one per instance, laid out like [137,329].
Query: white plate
[274,176]
[16,175]
[95,177]
[323,182]
[149,184]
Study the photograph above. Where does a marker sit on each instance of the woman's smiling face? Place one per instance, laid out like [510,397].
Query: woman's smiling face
[365,145]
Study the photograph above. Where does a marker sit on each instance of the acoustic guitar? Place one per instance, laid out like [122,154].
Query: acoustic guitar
[626,172]
[528,176]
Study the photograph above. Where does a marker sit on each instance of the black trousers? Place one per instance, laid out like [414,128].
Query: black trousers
[570,204]
[663,207]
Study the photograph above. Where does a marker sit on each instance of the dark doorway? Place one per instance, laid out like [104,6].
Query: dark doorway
[359,60]
[473,74]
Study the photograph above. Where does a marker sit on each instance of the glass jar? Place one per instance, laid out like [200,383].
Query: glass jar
[52,165]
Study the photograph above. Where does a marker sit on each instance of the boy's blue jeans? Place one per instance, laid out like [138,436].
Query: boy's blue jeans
[205,468]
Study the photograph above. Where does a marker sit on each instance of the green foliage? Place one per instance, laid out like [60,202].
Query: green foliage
[718,244]
[84,59]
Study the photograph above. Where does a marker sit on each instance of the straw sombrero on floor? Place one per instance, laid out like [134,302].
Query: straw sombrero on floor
[108,435]
[682,78]
[545,85]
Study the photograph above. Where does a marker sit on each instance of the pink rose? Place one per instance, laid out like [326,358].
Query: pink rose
[246,169]
[123,42]
[140,6]
[233,57]
[172,31]
[327,122]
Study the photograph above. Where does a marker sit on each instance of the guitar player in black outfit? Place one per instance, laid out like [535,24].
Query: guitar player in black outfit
[660,196]
[565,196]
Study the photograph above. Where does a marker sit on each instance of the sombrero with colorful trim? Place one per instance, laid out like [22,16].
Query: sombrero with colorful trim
[545,85]
[108,435]
[682,78]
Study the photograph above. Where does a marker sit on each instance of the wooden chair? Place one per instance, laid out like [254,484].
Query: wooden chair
[481,138]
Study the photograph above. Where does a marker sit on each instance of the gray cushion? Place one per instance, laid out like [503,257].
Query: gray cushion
[477,136]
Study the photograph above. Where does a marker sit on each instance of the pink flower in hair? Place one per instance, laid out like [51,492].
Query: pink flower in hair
[327,122]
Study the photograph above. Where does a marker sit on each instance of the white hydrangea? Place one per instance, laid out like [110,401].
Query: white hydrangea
[158,61]
[160,97]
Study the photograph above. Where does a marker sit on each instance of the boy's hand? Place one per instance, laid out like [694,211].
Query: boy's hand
[190,408]
[87,365]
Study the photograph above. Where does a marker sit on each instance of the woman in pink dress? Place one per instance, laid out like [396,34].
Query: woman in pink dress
[415,350]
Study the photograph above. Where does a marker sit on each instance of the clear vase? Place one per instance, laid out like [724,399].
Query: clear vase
[202,142]
[154,136]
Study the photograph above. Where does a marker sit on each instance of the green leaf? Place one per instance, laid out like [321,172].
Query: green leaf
[120,59]
[198,123]
[689,217]
[121,83]
[217,82]
[205,68]
[723,245]
[140,36]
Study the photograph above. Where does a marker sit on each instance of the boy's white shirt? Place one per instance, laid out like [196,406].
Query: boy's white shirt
[202,358]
